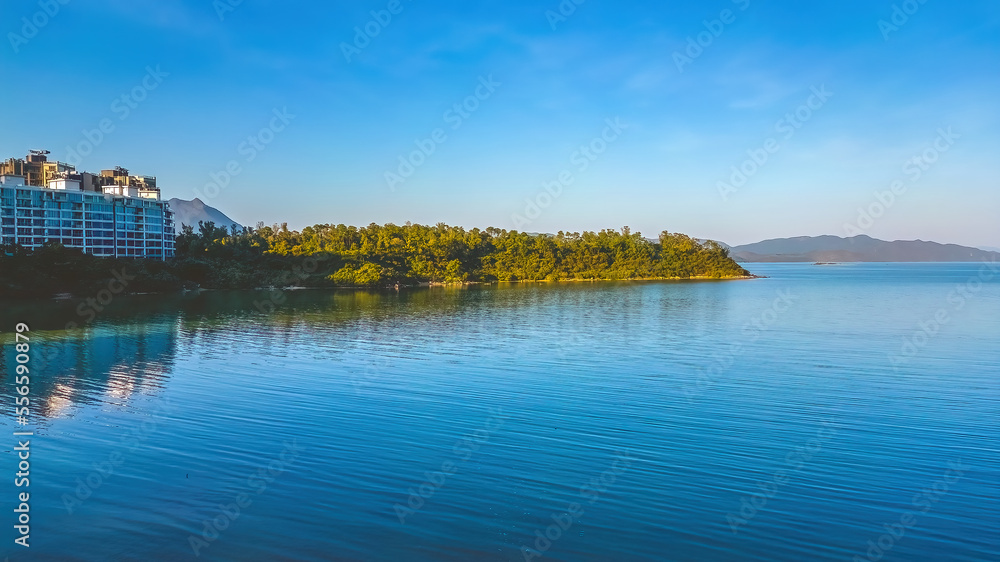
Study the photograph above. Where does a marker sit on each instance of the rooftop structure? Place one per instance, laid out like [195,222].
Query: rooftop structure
[39,171]
[113,214]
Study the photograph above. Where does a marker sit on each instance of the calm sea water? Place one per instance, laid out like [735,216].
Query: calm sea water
[823,413]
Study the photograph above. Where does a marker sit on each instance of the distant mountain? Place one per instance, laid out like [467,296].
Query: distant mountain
[856,249]
[989,248]
[704,240]
[191,212]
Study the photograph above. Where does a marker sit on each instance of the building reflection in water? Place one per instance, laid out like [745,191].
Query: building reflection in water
[108,364]
[131,349]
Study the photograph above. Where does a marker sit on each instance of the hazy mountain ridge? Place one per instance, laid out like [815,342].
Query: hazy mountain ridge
[856,249]
[193,212]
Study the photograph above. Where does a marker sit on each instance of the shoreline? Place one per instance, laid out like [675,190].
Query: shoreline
[556,281]
[64,296]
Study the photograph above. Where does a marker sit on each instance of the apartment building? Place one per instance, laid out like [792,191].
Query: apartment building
[108,215]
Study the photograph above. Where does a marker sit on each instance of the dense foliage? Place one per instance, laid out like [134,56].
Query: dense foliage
[54,269]
[374,256]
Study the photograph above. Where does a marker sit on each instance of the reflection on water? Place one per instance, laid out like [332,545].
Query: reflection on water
[389,404]
[131,345]
[102,364]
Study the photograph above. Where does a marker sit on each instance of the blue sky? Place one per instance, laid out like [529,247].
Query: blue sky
[556,83]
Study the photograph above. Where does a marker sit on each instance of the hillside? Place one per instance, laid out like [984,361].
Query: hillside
[856,249]
[191,212]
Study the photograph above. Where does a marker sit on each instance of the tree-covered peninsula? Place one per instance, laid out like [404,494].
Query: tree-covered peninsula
[373,256]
